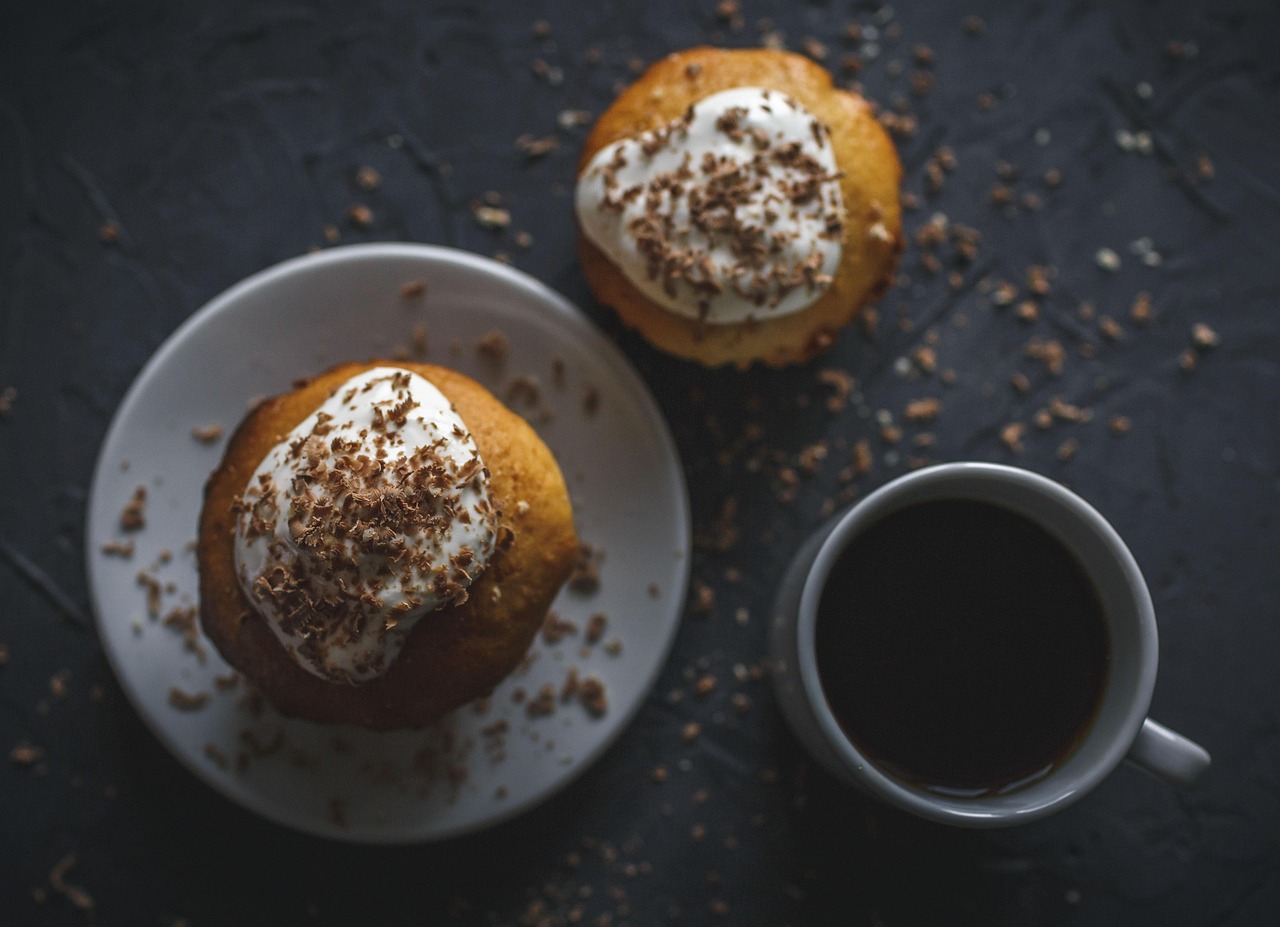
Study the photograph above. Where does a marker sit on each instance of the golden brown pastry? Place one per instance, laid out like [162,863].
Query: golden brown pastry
[380,545]
[737,207]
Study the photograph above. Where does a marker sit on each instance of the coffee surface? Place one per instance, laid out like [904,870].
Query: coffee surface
[961,646]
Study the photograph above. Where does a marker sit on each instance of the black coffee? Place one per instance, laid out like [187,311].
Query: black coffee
[961,646]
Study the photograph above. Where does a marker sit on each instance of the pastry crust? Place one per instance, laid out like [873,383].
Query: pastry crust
[454,654]
[873,220]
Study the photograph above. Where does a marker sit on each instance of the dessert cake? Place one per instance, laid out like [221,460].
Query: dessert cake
[736,207]
[381,544]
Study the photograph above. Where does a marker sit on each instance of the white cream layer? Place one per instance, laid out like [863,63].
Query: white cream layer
[305,536]
[731,213]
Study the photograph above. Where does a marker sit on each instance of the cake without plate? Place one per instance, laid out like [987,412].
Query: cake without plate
[736,207]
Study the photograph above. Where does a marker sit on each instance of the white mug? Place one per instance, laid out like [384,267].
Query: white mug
[1120,729]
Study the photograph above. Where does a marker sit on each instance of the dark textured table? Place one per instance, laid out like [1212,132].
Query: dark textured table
[1062,159]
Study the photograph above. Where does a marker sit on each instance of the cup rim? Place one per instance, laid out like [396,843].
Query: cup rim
[1047,795]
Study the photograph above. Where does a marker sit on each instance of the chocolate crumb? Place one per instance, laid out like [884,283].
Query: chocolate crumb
[555,628]
[596,625]
[532,146]
[79,898]
[585,577]
[134,515]
[493,346]
[1110,328]
[412,289]
[187,701]
[154,590]
[117,548]
[360,215]
[542,704]
[25,754]
[494,218]
[593,696]
[1011,436]
[923,410]
[1140,311]
[1204,337]
[704,598]
[842,385]
[207,434]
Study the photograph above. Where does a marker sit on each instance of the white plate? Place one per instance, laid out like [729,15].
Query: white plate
[478,766]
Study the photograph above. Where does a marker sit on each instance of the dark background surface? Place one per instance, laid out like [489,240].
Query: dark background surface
[220,140]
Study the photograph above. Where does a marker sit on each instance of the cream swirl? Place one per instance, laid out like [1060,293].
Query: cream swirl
[732,212]
[371,513]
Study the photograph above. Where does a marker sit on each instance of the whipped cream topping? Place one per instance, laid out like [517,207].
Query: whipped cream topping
[371,513]
[730,213]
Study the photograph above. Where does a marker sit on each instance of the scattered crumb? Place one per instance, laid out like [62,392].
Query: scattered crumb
[842,385]
[704,598]
[593,696]
[523,389]
[596,626]
[187,701]
[532,146]
[1107,259]
[1011,436]
[1110,328]
[207,434]
[493,347]
[368,178]
[184,621]
[360,215]
[412,289]
[154,592]
[491,217]
[117,548]
[25,754]
[585,577]
[1204,337]
[79,898]
[556,629]
[542,704]
[134,515]
[923,410]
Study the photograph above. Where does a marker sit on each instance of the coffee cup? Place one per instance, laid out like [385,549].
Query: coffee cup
[975,644]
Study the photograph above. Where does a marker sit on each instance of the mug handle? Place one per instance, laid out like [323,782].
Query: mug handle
[1168,755]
